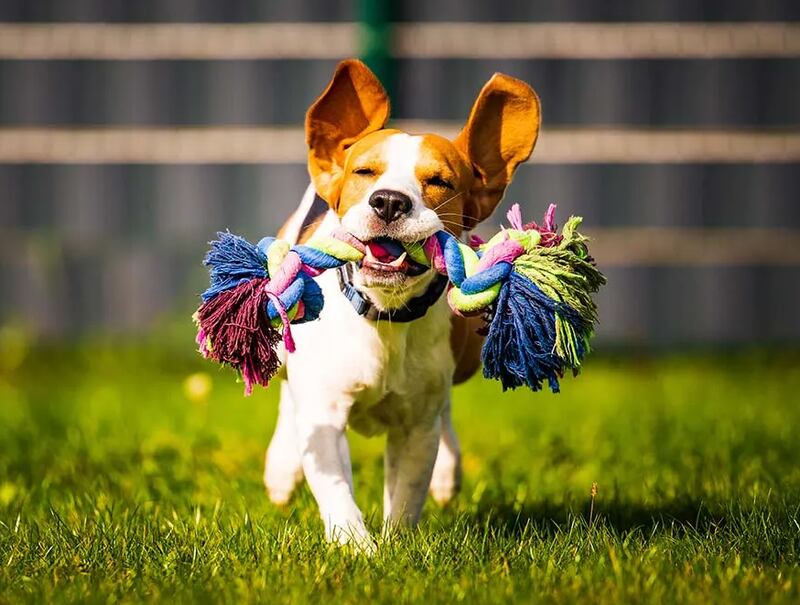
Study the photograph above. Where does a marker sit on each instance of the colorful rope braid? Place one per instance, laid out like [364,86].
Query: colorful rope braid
[533,284]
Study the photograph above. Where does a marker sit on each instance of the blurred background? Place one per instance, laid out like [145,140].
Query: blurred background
[130,132]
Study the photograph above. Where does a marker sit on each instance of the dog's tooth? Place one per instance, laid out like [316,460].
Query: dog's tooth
[368,254]
[399,260]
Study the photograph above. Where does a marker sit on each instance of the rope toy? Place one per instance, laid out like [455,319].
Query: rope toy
[533,285]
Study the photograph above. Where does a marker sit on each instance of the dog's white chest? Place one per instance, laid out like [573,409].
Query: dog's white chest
[380,374]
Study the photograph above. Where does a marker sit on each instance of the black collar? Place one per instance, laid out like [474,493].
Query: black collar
[416,307]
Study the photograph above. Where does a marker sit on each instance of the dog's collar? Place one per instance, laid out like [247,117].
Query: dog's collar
[416,307]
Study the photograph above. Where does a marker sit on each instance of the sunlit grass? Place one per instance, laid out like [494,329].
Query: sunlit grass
[128,473]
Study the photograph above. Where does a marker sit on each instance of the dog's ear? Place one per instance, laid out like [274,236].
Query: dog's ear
[353,105]
[499,134]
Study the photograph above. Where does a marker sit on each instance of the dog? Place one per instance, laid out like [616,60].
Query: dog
[386,350]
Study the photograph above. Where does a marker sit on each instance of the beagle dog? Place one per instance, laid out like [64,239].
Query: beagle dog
[386,349]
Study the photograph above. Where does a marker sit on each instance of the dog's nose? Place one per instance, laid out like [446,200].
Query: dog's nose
[390,205]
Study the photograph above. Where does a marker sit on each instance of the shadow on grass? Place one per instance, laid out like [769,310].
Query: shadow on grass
[762,528]
[621,517]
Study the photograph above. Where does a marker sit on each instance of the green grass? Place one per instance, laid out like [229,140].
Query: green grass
[118,484]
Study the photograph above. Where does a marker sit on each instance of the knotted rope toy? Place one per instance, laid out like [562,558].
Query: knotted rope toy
[533,285]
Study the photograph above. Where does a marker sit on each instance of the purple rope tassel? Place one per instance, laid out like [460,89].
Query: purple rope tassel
[240,331]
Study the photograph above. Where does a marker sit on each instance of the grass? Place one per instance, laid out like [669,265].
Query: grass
[123,481]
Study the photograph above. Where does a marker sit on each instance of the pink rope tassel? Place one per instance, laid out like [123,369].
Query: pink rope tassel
[288,340]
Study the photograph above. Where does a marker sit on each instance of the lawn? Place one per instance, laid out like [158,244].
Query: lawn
[132,473]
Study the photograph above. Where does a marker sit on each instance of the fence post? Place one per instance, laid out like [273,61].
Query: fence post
[375,40]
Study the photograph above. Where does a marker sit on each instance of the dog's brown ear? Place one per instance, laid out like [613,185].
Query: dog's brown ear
[499,134]
[353,105]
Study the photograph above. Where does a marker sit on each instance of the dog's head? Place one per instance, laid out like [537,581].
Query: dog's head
[390,186]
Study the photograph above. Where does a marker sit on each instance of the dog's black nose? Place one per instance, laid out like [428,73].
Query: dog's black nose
[390,205]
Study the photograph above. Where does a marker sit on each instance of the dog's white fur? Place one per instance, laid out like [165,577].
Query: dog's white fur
[388,377]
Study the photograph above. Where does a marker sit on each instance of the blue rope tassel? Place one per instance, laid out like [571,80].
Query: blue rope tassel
[232,260]
[520,343]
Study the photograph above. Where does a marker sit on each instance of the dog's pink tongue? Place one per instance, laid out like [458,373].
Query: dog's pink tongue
[380,253]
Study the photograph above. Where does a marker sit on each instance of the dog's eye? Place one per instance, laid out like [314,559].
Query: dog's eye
[437,181]
[364,171]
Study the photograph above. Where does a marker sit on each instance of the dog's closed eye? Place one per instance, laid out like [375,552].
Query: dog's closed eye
[438,181]
[364,171]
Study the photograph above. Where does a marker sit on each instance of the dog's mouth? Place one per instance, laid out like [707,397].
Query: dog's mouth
[385,255]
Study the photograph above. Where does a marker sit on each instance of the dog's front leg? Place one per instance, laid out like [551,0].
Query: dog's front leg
[446,478]
[410,455]
[283,469]
[326,464]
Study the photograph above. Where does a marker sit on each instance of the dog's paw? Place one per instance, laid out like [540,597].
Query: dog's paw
[344,525]
[354,537]
[446,478]
[281,479]
[279,497]
[443,492]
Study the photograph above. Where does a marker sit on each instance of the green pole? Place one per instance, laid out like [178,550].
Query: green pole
[375,40]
